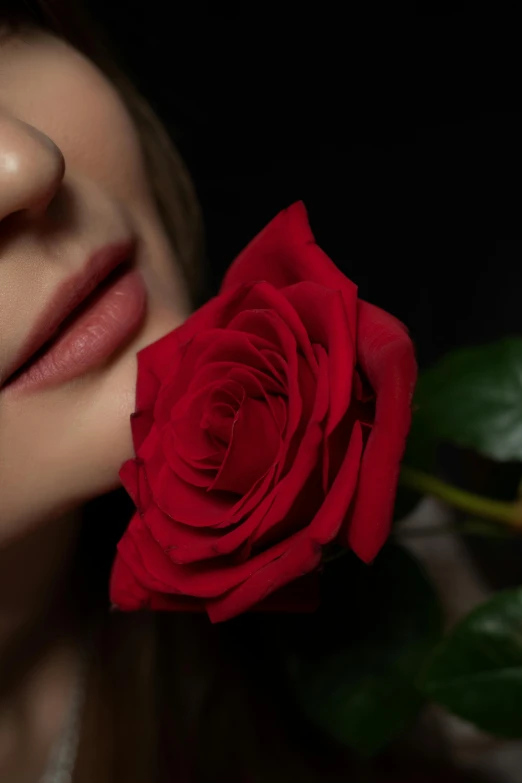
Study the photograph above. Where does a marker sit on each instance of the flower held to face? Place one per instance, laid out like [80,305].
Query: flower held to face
[267,426]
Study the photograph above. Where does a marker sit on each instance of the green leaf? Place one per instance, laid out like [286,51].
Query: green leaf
[353,663]
[473,398]
[476,672]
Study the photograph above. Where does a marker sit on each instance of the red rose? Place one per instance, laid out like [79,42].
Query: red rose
[270,424]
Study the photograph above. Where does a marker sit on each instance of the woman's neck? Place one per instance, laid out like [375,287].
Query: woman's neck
[34,571]
[39,643]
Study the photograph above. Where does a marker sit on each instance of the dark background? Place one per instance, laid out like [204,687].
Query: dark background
[368,120]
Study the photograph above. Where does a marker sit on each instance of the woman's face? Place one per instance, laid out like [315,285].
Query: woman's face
[72,180]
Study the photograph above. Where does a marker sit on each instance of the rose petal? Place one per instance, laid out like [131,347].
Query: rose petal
[141,424]
[156,571]
[138,553]
[218,421]
[155,361]
[323,313]
[207,358]
[254,388]
[298,377]
[190,437]
[286,252]
[125,590]
[159,364]
[216,346]
[310,387]
[185,502]
[215,372]
[327,522]
[199,476]
[299,558]
[273,510]
[185,544]
[254,447]
[182,543]
[278,364]
[266,303]
[386,356]
[267,516]
[127,593]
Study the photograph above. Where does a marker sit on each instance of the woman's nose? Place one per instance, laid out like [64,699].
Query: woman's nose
[31,168]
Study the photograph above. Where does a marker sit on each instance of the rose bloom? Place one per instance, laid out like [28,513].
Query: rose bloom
[267,426]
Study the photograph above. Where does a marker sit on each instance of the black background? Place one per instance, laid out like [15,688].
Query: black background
[374,121]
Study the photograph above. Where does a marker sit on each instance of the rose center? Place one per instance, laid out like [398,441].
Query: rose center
[221,413]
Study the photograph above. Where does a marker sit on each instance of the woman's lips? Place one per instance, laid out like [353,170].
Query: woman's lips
[102,324]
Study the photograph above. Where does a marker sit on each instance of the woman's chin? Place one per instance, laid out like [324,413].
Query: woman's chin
[72,440]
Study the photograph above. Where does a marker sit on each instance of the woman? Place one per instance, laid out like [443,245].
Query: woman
[85,164]
[86,694]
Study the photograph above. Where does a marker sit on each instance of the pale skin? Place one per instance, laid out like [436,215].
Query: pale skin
[70,159]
